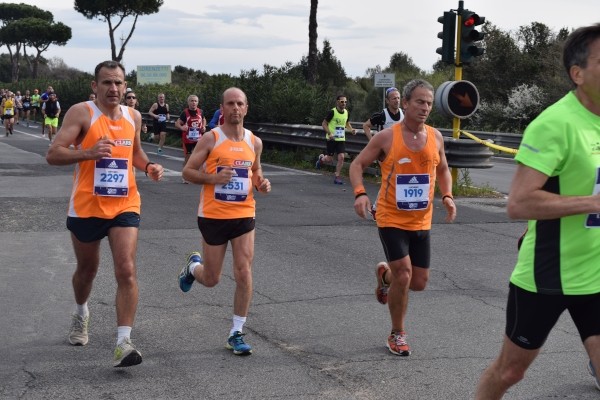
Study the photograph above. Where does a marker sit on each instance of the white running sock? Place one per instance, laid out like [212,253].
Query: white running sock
[82,309]
[238,324]
[123,332]
[193,267]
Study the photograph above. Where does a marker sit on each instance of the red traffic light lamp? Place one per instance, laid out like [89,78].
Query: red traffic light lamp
[469,36]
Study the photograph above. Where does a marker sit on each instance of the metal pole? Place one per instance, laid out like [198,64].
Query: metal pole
[457,77]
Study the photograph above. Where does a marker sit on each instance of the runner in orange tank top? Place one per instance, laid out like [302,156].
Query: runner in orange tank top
[226,162]
[412,158]
[104,200]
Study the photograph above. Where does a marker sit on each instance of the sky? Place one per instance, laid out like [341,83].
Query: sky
[230,36]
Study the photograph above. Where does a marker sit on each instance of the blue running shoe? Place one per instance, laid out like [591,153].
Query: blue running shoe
[592,372]
[185,277]
[237,344]
[338,181]
[159,152]
[319,161]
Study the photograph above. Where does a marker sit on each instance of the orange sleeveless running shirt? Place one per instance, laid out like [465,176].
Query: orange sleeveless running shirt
[234,199]
[106,188]
[408,181]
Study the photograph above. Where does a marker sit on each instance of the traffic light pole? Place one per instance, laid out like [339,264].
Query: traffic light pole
[459,98]
[457,77]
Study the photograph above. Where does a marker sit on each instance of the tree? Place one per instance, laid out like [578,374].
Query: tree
[114,13]
[330,72]
[313,51]
[9,32]
[525,102]
[40,34]
[403,65]
[499,69]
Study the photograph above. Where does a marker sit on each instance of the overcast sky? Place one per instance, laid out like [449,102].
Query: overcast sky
[227,36]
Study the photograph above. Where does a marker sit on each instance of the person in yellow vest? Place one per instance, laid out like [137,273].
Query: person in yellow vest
[335,125]
[8,112]
[36,105]
[226,162]
[105,200]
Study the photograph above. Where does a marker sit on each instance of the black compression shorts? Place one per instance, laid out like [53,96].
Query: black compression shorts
[398,243]
[531,316]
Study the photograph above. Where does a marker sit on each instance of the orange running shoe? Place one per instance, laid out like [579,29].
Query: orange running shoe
[382,288]
[396,344]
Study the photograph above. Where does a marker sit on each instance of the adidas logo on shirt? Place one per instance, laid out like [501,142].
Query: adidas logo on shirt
[413,180]
[113,164]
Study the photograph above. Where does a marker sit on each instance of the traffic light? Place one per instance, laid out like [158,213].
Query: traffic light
[458,99]
[447,36]
[469,35]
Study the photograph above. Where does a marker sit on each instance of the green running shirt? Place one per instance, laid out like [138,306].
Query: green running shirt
[562,256]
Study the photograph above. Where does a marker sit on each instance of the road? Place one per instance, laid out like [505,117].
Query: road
[316,328]
[497,178]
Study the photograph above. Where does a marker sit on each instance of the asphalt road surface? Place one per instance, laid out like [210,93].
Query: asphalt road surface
[315,325]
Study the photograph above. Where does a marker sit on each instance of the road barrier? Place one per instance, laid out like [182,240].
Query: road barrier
[461,153]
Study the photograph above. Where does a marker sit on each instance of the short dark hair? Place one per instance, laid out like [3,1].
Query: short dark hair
[576,50]
[110,65]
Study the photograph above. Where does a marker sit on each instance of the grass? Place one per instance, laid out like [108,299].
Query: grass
[463,187]
[305,159]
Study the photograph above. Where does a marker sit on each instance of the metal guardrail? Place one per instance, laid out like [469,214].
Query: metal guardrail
[461,153]
[512,140]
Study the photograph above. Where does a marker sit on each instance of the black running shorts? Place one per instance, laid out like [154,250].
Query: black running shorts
[89,230]
[531,316]
[399,243]
[216,232]
[335,147]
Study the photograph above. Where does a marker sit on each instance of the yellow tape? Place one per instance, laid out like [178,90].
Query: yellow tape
[489,144]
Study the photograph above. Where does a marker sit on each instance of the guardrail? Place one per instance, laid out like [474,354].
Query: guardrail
[461,153]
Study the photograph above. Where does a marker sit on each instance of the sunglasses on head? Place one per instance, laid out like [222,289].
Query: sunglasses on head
[389,90]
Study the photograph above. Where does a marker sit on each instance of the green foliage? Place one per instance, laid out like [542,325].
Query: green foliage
[404,70]
[519,74]
[23,25]
[298,158]
[531,57]
[330,73]
[280,95]
[403,65]
[209,91]
[123,8]
[10,12]
[40,34]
